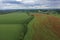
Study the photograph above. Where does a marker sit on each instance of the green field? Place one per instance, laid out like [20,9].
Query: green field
[11,31]
[14,25]
[14,18]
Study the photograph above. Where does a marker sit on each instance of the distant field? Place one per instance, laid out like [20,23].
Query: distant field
[57,15]
[14,18]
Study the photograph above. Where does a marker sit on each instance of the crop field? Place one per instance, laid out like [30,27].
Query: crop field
[21,26]
[44,27]
[14,18]
[12,26]
[10,31]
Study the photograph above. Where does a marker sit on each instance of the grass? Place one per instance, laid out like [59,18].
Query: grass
[14,18]
[57,15]
[11,31]
[30,31]
[12,27]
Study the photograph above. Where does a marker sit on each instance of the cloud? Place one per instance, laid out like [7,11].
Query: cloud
[6,4]
[29,4]
[12,2]
[28,1]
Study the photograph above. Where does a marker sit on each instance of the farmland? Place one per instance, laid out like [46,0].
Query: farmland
[44,27]
[23,26]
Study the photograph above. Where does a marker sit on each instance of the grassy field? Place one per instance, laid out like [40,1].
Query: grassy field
[11,31]
[57,15]
[41,27]
[12,26]
[14,18]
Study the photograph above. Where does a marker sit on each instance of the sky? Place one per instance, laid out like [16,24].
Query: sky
[29,4]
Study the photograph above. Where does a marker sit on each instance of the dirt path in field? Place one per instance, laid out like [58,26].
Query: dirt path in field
[46,27]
